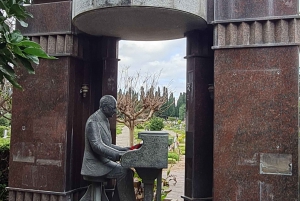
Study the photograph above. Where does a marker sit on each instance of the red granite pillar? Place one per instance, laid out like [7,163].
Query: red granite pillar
[199,117]
[49,115]
[256,100]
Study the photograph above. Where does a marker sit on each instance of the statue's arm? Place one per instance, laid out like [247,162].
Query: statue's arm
[120,148]
[95,134]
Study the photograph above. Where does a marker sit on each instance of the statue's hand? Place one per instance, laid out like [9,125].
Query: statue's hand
[137,146]
[121,154]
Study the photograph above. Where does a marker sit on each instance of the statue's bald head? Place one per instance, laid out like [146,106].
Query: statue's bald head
[107,100]
[108,105]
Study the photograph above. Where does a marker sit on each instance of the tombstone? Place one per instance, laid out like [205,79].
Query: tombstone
[243,143]
[5,134]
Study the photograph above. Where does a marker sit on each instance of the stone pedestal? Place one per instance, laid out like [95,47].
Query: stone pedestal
[256,100]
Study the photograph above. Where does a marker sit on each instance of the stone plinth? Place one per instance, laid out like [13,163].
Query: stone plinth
[139,19]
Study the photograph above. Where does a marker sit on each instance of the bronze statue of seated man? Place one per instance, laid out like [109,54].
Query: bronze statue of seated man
[101,156]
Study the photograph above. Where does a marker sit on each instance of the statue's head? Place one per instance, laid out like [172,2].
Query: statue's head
[108,105]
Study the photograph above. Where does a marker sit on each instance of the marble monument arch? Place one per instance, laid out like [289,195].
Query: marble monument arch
[242,145]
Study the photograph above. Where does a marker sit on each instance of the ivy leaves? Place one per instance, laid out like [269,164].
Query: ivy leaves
[15,49]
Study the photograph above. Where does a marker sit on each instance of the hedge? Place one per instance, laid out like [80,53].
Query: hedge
[173,155]
[4,160]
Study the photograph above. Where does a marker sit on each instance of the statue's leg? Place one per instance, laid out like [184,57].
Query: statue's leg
[88,194]
[116,196]
[124,178]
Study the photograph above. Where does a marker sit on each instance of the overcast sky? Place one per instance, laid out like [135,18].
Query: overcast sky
[151,57]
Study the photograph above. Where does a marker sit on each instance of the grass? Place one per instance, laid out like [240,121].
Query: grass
[175,129]
[119,128]
[4,142]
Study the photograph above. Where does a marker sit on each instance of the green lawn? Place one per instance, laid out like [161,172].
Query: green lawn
[119,128]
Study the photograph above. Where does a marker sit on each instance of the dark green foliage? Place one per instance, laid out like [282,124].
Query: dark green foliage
[171,105]
[15,49]
[164,112]
[156,124]
[171,108]
[182,110]
[170,140]
[4,121]
[4,159]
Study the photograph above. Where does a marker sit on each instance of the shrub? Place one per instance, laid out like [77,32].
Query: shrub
[170,140]
[181,138]
[173,155]
[140,126]
[4,121]
[4,158]
[182,150]
[171,161]
[156,124]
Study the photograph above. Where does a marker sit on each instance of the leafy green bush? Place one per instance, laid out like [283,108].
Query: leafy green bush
[140,126]
[4,122]
[173,155]
[182,149]
[4,158]
[156,124]
[171,161]
[170,140]
[181,138]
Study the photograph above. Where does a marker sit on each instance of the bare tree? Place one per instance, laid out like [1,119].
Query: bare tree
[138,99]
[5,99]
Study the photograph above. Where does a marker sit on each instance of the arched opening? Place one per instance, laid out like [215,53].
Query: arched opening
[165,60]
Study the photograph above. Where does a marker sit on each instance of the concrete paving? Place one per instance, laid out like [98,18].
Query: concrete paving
[177,170]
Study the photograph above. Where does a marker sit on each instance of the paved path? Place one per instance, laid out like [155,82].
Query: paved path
[177,170]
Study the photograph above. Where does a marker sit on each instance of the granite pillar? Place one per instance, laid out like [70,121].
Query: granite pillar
[109,59]
[49,115]
[256,100]
[199,117]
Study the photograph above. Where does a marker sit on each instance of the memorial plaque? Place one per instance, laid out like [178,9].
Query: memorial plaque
[278,164]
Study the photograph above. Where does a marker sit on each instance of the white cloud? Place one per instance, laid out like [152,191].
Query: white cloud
[151,57]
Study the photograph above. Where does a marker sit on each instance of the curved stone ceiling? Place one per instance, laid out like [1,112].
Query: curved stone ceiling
[143,20]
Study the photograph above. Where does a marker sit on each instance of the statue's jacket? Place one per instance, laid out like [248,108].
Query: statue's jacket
[100,155]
